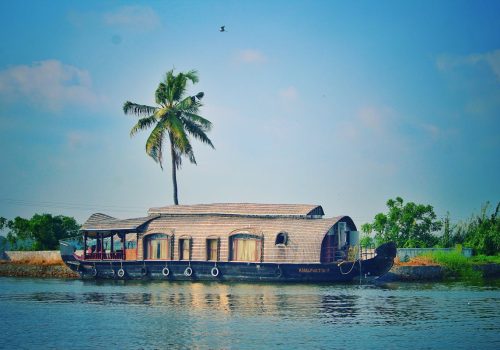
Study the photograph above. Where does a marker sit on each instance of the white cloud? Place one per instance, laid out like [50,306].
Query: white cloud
[135,17]
[251,56]
[372,126]
[449,62]
[49,83]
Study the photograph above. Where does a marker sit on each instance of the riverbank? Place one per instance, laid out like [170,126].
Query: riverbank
[16,269]
[38,264]
[428,273]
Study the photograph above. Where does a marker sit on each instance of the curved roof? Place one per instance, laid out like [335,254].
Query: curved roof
[103,222]
[304,236]
[242,209]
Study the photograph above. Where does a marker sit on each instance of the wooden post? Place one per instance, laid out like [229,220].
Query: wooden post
[84,245]
[102,245]
[124,242]
[112,249]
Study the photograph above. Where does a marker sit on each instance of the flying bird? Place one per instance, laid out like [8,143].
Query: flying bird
[222,29]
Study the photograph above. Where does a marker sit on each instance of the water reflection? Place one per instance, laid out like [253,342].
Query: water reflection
[374,305]
[215,315]
[336,308]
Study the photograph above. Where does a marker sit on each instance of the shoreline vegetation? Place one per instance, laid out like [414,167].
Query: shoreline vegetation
[437,266]
[445,266]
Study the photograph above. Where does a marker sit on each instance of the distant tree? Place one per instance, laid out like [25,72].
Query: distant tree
[3,244]
[366,240]
[408,225]
[482,232]
[446,240]
[41,232]
[175,118]
[19,236]
[47,230]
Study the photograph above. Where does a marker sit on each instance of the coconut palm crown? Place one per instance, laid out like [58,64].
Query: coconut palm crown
[175,118]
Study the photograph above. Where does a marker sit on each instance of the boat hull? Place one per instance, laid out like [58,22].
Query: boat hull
[233,271]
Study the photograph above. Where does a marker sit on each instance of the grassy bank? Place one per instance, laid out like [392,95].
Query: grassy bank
[455,265]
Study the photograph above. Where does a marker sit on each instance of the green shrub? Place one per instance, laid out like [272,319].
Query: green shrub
[455,264]
[486,259]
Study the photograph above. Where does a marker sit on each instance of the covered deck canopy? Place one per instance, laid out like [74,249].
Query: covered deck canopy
[102,225]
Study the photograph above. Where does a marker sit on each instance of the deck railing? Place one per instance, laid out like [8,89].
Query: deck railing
[367,253]
[104,256]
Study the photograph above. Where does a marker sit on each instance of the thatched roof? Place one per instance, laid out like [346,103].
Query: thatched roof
[103,222]
[242,209]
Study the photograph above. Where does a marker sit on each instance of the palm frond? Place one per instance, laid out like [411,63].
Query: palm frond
[154,144]
[176,128]
[181,83]
[161,94]
[204,123]
[137,109]
[188,104]
[188,152]
[191,157]
[192,75]
[197,131]
[143,124]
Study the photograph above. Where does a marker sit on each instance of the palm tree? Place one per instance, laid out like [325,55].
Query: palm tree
[175,118]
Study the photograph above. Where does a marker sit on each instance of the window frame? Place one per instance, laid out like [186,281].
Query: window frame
[157,236]
[259,239]
[208,248]
[182,249]
[285,239]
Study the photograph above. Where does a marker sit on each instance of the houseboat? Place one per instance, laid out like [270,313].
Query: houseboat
[226,242]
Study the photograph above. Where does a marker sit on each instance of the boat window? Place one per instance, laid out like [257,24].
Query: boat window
[184,249]
[246,247]
[156,246]
[281,238]
[342,228]
[212,249]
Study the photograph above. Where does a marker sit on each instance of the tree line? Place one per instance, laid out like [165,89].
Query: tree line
[41,232]
[417,226]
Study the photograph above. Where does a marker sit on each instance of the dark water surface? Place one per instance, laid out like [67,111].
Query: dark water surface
[60,314]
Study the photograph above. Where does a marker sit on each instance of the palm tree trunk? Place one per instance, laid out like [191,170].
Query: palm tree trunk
[174,169]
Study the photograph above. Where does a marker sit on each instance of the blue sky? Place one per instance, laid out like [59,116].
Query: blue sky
[343,104]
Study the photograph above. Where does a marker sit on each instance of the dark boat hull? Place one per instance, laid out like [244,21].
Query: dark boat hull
[233,271]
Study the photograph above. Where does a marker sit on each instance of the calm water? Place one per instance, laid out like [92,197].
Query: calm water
[36,313]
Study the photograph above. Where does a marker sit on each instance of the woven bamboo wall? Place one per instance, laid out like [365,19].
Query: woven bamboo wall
[304,235]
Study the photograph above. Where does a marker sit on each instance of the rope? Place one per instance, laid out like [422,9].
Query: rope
[340,267]
[351,256]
